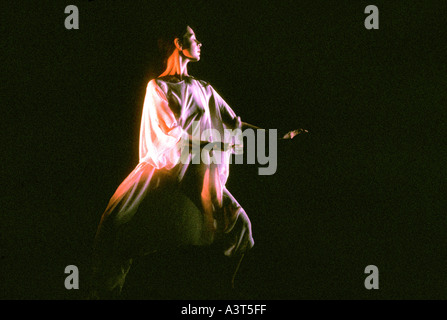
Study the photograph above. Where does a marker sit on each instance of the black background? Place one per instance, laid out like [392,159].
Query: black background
[364,187]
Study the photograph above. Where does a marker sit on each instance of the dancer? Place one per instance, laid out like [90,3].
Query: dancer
[173,197]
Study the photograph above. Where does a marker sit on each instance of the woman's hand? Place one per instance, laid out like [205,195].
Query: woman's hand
[294,133]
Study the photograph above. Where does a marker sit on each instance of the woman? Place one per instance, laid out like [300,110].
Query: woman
[174,196]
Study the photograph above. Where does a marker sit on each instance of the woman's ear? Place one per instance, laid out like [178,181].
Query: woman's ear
[178,44]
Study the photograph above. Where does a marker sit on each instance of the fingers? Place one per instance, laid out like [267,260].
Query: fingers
[294,133]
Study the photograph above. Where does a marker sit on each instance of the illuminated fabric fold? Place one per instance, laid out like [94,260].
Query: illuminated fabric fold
[166,202]
[159,132]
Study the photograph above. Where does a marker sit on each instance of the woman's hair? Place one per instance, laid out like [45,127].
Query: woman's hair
[166,39]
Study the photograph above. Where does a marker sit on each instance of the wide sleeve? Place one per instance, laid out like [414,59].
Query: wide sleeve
[229,117]
[159,132]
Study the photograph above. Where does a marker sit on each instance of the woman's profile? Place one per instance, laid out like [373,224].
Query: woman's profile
[174,197]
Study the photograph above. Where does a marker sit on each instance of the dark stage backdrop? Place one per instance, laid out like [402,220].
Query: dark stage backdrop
[364,187]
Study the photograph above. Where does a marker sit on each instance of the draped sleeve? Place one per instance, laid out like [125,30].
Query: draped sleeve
[160,133]
[229,117]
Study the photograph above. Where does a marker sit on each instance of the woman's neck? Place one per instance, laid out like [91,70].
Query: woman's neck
[176,66]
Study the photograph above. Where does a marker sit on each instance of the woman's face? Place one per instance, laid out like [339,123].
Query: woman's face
[190,45]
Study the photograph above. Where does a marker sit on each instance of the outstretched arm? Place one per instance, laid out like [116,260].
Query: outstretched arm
[232,121]
[245,125]
[288,135]
[217,146]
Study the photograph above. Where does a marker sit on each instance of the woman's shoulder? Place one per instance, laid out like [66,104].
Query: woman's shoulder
[203,83]
[169,83]
[185,80]
[155,85]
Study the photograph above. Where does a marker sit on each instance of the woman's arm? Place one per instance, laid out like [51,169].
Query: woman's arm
[245,125]
[218,146]
[232,121]
[288,135]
